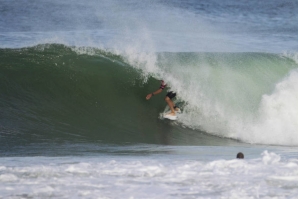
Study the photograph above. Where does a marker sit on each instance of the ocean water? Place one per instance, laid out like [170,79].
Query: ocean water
[74,121]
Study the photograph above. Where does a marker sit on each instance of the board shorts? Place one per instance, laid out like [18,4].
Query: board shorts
[171,94]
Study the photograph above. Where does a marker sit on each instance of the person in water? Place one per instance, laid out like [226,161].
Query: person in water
[240,155]
[170,95]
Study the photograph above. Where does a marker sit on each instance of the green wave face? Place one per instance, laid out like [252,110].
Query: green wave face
[52,93]
[55,93]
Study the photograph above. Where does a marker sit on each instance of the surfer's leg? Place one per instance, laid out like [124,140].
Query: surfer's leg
[169,101]
[171,105]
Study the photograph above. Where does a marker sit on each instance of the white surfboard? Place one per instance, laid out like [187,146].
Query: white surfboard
[170,117]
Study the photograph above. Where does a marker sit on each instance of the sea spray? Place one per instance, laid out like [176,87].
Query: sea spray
[233,94]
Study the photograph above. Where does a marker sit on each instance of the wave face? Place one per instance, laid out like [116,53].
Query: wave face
[52,93]
[55,92]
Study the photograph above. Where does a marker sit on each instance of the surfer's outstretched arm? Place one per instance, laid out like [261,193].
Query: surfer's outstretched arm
[162,86]
[153,93]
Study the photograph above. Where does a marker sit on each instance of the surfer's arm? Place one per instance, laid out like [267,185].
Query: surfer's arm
[154,93]
[162,86]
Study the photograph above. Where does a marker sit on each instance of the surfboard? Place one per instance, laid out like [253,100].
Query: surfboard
[172,117]
[167,111]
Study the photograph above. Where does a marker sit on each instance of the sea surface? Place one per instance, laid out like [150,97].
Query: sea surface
[74,121]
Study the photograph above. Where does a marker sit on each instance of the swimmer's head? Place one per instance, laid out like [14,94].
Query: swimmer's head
[240,155]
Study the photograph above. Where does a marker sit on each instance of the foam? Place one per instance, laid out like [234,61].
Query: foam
[147,177]
[8,178]
[278,119]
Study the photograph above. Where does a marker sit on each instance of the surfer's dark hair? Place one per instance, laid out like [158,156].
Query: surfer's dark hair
[240,155]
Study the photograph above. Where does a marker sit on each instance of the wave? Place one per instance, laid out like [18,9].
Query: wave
[55,92]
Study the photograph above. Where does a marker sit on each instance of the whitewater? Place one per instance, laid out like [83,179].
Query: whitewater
[74,121]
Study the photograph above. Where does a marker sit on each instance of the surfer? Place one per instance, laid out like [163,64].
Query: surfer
[170,95]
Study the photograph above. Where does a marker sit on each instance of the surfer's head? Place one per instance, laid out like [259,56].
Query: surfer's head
[240,155]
